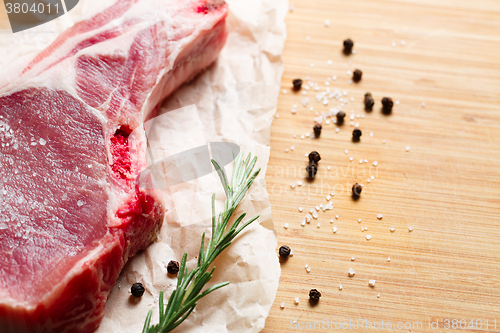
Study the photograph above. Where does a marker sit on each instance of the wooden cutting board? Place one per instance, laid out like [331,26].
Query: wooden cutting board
[446,187]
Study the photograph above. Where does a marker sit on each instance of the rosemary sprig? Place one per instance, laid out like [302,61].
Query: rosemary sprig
[184,298]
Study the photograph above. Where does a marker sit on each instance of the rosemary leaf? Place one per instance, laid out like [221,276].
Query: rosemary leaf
[190,284]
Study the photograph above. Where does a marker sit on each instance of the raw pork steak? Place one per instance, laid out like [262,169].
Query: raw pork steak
[71,210]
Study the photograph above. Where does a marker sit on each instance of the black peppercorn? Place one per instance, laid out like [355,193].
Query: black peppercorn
[356,134]
[173,267]
[137,289]
[297,84]
[284,251]
[312,170]
[340,117]
[387,105]
[314,295]
[369,101]
[314,157]
[356,190]
[348,44]
[356,75]
[317,130]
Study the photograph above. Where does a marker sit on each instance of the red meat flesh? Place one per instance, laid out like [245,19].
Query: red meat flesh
[72,146]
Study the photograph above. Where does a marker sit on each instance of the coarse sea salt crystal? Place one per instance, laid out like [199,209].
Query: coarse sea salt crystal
[368,237]
[392,229]
[80,203]
[375,163]
[315,215]
[334,229]
[285,226]
[3,226]
[282,305]
[340,287]
[327,207]
[407,148]
[299,183]
[380,216]
[371,283]
[319,225]
[327,23]
[42,142]
[296,300]
[301,209]
[351,272]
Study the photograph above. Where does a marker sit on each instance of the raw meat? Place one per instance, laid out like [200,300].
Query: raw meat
[71,147]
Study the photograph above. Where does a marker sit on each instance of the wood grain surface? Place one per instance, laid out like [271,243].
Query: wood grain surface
[446,187]
[4,20]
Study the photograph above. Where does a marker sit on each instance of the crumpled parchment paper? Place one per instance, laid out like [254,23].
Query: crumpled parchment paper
[232,101]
